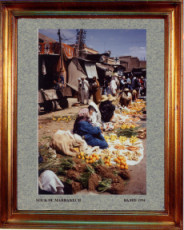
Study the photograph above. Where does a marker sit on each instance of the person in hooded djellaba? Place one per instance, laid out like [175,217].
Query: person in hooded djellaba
[84,90]
[96,91]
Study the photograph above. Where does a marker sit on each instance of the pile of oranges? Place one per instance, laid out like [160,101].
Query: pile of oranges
[107,161]
[81,156]
[121,162]
[89,159]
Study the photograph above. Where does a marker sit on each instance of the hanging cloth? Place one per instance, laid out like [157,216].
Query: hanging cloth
[44,71]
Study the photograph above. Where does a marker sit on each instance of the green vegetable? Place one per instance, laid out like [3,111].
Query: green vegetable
[85,178]
[104,185]
[68,181]
[61,171]
[127,132]
[67,164]
[90,169]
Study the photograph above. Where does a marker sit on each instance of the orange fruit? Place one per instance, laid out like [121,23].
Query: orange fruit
[94,159]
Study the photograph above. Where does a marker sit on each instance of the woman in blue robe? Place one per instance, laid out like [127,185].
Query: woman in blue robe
[92,135]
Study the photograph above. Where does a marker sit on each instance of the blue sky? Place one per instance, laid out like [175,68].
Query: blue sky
[120,42]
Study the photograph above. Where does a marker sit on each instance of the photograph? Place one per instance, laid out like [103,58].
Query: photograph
[92,111]
[92,114]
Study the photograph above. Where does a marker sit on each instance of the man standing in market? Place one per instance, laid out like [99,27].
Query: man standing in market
[84,89]
[122,83]
[129,83]
[96,91]
[113,85]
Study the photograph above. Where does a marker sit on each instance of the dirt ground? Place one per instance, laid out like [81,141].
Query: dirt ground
[48,126]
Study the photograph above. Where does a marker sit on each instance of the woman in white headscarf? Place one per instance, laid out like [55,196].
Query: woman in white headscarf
[95,115]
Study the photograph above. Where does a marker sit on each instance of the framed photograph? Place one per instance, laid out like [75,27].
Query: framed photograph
[92,115]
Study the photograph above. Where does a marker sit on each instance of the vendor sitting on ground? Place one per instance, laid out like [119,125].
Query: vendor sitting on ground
[113,100]
[95,115]
[116,117]
[126,98]
[106,109]
[92,135]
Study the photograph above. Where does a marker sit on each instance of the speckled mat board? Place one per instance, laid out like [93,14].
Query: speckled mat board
[27,189]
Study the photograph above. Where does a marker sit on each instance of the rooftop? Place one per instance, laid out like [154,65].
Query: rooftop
[45,38]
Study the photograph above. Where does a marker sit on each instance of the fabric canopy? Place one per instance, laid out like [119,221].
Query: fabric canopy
[105,67]
[91,70]
[73,75]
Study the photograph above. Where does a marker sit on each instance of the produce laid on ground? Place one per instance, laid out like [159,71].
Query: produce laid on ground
[123,146]
[124,137]
[63,118]
[103,170]
[135,109]
[127,130]
[77,174]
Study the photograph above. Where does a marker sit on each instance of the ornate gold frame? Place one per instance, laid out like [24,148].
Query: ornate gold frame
[171,12]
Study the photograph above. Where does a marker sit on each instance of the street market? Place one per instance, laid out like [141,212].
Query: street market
[91,127]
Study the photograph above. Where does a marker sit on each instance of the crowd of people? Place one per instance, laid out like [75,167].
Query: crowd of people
[115,85]
[118,92]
